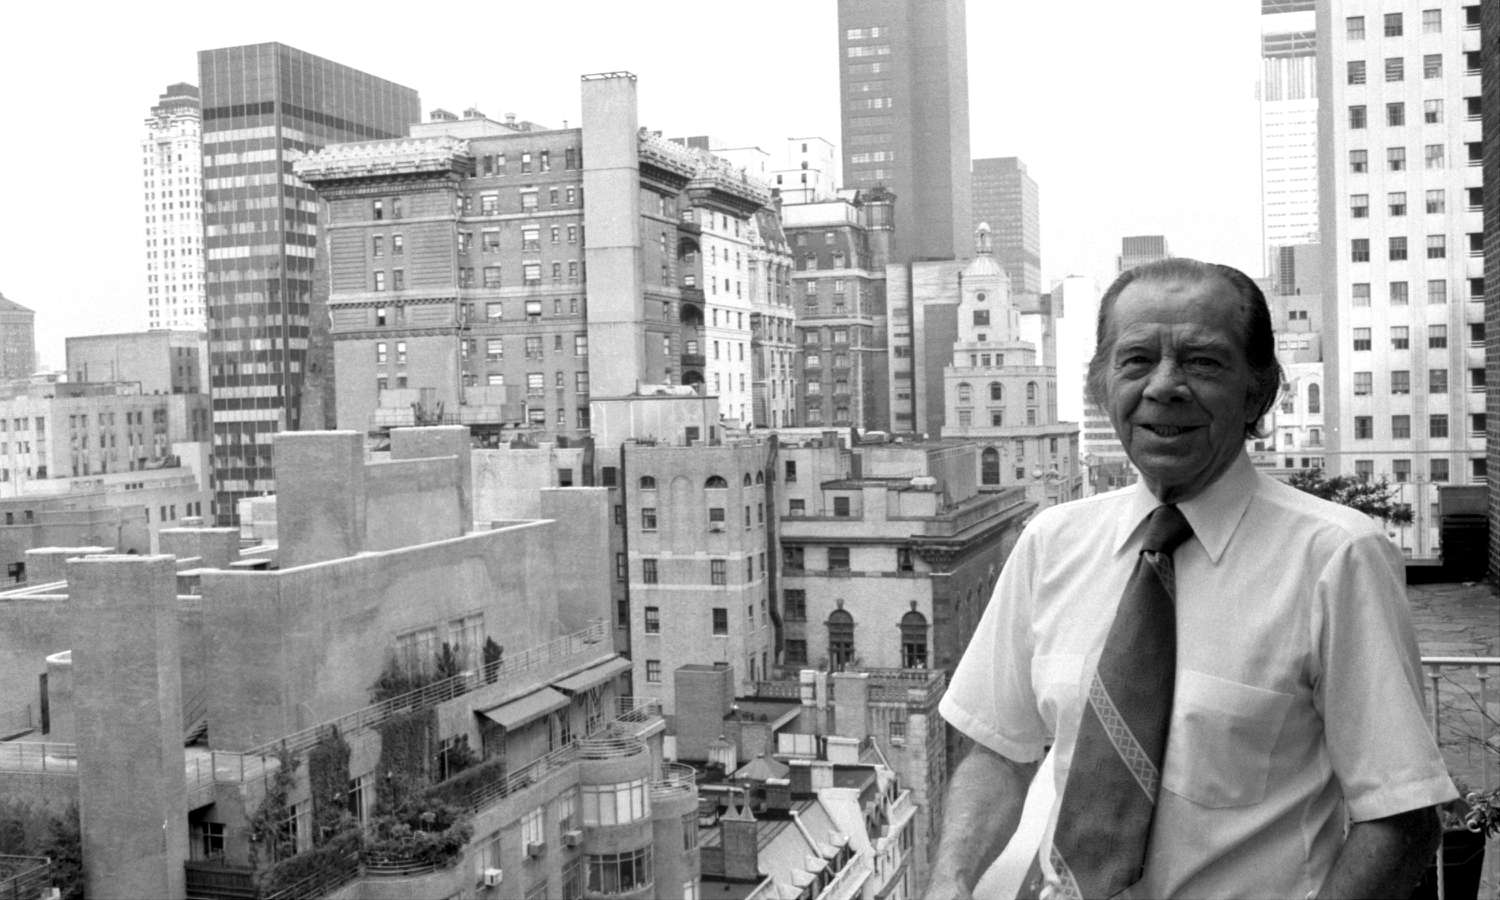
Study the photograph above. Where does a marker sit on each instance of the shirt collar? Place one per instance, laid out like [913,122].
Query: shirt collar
[1214,514]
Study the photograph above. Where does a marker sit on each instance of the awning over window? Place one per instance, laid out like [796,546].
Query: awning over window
[596,674]
[524,709]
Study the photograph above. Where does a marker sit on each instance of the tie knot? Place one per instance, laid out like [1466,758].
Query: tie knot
[1166,529]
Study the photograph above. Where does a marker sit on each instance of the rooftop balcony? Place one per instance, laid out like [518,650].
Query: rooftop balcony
[25,876]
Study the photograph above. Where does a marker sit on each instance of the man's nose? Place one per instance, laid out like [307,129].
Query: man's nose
[1165,383]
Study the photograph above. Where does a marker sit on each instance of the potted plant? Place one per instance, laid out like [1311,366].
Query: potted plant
[1467,822]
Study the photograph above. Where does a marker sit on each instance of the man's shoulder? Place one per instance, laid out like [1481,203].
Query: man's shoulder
[1299,511]
[1091,514]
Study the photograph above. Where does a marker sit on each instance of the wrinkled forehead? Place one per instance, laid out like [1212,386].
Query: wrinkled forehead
[1201,308]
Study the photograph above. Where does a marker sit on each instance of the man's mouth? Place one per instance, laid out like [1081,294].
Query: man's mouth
[1169,430]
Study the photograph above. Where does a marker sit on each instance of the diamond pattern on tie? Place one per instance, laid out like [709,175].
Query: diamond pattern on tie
[1140,765]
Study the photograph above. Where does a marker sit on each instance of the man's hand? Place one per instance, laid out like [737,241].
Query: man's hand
[985,799]
[1384,857]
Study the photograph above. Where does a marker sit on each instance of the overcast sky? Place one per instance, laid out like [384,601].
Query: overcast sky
[1134,118]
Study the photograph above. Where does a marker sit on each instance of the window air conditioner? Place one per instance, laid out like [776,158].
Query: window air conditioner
[572,838]
[492,877]
[536,848]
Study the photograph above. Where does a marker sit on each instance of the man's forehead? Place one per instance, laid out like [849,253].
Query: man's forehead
[1204,304]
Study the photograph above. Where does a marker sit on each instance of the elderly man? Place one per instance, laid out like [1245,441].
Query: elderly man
[1222,666]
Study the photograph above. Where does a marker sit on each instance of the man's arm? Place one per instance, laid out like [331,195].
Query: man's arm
[985,799]
[1384,857]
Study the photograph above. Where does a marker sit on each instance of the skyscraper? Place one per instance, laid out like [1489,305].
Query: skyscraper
[1288,127]
[263,106]
[17,340]
[172,167]
[904,95]
[1005,198]
[1401,211]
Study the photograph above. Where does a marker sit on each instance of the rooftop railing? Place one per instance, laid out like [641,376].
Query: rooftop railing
[546,655]
[1464,711]
[24,877]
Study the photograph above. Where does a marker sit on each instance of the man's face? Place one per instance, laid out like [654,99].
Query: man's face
[1178,388]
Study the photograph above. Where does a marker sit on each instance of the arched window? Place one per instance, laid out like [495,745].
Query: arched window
[964,391]
[1314,398]
[1031,392]
[840,640]
[716,482]
[989,466]
[648,483]
[997,391]
[760,478]
[913,641]
[747,480]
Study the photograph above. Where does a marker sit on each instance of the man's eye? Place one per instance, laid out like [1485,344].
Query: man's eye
[1203,362]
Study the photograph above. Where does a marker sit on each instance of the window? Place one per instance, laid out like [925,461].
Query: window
[794,605]
[1356,71]
[791,470]
[1437,291]
[913,641]
[1359,250]
[1364,469]
[718,571]
[1401,470]
[1393,24]
[1400,381]
[1438,469]
[1359,206]
[1363,384]
[1400,427]
[1437,336]
[1400,337]
[1395,158]
[1361,293]
[840,627]
[1437,426]
[379,281]
[381,352]
[580,345]
[1395,70]
[720,620]
[1396,200]
[1359,161]
[838,559]
[1357,116]
[1399,293]
[1432,21]
[1364,428]
[1477,424]
[841,506]
[1437,244]
[1437,381]
[1433,156]
[1396,249]
[1354,28]
[648,571]
[653,675]
[1361,339]
[648,518]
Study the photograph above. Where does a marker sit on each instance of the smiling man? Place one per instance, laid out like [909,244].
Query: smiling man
[1222,666]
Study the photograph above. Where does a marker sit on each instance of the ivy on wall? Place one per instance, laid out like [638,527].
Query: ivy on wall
[328,777]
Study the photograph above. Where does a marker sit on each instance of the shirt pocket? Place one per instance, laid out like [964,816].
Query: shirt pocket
[1223,735]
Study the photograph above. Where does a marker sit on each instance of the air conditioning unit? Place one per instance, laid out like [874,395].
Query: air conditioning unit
[493,877]
[536,848]
[715,526]
[572,838]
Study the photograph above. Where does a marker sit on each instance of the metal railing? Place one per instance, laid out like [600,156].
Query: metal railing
[1459,700]
[24,877]
[675,779]
[39,756]
[569,645]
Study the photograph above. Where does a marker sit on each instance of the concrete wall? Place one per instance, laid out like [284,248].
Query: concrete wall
[449,440]
[320,509]
[582,530]
[506,481]
[410,501]
[299,646]
[132,780]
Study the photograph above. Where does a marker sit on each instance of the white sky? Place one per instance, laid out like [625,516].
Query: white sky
[1134,118]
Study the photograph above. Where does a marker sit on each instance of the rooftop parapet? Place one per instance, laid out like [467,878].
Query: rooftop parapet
[369,159]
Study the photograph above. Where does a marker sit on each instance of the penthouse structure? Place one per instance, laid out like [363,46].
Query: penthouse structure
[295,719]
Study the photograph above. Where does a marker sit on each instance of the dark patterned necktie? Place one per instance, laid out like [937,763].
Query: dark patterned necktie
[1099,844]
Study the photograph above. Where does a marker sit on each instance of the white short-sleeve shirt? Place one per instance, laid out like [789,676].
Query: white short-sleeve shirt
[1298,689]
